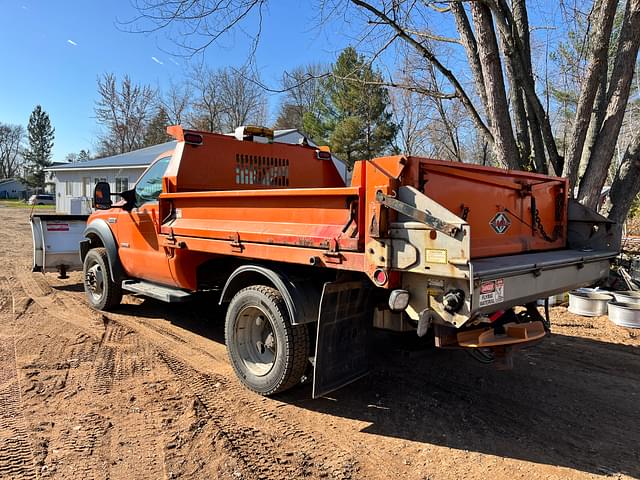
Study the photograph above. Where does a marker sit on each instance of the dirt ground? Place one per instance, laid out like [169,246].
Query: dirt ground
[147,392]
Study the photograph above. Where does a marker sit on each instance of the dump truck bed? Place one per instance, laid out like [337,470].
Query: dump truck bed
[508,211]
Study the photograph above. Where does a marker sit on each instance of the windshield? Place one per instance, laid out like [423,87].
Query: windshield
[149,186]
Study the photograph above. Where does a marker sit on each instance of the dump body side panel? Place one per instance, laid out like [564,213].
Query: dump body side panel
[509,211]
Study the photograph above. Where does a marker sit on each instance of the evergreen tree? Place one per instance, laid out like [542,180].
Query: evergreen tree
[81,156]
[38,155]
[156,132]
[84,155]
[353,117]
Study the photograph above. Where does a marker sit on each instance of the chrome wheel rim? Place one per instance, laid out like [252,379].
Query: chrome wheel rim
[94,281]
[256,340]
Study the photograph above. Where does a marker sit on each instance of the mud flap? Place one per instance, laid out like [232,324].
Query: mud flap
[343,337]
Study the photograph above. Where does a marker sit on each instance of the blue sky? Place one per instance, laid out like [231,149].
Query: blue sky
[53,52]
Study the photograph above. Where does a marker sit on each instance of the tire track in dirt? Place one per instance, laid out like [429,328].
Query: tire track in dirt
[120,355]
[88,442]
[288,453]
[63,307]
[16,454]
[315,456]
[265,443]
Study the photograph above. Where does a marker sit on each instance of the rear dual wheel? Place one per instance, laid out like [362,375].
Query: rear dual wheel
[267,352]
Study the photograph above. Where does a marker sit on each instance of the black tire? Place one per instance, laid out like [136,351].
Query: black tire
[101,291]
[271,357]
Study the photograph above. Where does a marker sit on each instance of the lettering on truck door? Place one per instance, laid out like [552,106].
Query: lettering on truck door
[140,252]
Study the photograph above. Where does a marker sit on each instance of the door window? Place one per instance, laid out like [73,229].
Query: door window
[149,186]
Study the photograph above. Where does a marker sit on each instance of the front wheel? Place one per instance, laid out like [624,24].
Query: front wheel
[102,292]
[267,352]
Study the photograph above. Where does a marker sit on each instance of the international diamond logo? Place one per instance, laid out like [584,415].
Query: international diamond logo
[500,222]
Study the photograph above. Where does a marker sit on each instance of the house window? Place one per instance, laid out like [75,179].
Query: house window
[122,184]
[99,179]
[68,188]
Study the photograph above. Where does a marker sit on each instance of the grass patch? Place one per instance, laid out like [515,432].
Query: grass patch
[23,204]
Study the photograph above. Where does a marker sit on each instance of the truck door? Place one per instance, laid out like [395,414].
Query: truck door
[141,255]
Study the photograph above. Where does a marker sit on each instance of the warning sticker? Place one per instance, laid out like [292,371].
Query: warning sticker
[57,227]
[436,255]
[491,292]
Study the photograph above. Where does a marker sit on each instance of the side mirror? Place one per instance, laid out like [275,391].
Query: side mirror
[102,196]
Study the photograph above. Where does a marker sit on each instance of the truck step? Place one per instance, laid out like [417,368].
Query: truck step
[159,292]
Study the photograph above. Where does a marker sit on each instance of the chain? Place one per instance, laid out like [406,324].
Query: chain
[540,228]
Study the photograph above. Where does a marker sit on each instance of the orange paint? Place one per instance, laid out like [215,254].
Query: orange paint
[279,202]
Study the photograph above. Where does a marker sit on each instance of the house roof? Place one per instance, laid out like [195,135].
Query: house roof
[6,181]
[137,158]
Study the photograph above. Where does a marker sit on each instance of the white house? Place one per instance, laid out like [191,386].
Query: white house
[74,182]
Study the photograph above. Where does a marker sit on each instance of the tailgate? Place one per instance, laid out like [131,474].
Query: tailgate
[56,240]
[502,282]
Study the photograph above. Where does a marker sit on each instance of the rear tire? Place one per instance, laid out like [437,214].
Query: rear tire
[267,352]
[101,291]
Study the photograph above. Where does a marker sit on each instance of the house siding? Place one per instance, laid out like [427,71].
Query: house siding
[12,189]
[71,184]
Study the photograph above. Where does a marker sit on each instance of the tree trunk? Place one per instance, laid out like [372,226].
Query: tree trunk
[471,48]
[618,96]
[597,64]
[537,143]
[597,117]
[626,185]
[498,109]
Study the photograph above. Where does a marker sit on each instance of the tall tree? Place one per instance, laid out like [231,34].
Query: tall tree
[156,132]
[207,109]
[176,102]
[503,97]
[302,94]
[11,137]
[357,123]
[123,110]
[243,98]
[38,154]
[226,99]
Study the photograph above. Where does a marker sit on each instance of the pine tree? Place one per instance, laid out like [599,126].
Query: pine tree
[84,155]
[38,155]
[353,119]
[156,132]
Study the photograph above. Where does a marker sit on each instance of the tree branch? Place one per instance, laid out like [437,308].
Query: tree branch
[426,53]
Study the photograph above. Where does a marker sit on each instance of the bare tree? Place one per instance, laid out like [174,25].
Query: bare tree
[11,138]
[176,101]
[412,113]
[617,99]
[207,109]
[428,124]
[123,111]
[225,99]
[502,100]
[243,98]
[302,94]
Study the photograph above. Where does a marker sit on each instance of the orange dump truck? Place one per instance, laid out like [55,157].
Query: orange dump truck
[307,263]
